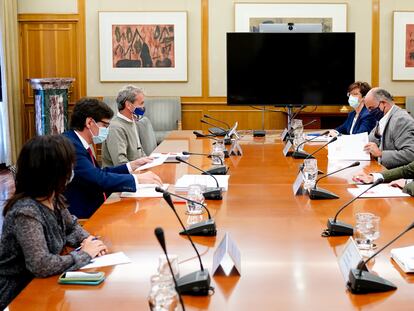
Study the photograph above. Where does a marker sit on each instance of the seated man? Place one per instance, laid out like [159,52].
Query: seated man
[91,184]
[123,144]
[392,140]
[398,177]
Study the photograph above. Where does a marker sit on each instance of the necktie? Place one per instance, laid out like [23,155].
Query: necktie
[94,164]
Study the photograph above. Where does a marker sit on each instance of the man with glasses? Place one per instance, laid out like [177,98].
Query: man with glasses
[92,184]
[123,143]
[392,140]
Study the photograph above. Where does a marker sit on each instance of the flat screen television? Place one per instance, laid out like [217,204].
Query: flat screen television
[289,69]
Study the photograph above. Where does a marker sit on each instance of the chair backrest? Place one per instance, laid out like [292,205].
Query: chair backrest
[146,135]
[111,102]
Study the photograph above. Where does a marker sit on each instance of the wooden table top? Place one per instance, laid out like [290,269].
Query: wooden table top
[286,264]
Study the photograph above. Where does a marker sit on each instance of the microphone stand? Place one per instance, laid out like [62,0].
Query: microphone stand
[297,154]
[338,228]
[202,228]
[159,233]
[196,283]
[209,194]
[222,122]
[215,130]
[216,170]
[362,281]
[322,194]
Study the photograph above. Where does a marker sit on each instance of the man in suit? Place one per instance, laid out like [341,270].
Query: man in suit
[91,184]
[392,140]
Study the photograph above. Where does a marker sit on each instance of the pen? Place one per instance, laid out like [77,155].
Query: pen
[80,247]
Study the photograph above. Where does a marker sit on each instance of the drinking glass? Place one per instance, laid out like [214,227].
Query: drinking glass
[195,193]
[217,154]
[362,230]
[373,232]
[163,267]
[310,173]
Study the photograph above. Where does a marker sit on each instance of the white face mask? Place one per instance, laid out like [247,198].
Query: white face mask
[353,101]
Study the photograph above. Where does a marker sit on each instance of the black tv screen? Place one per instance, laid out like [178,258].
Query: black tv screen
[289,69]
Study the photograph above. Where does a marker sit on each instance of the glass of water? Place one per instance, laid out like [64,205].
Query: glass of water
[373,232]
[195,193]
[310,173]
[217,154]
[365,232]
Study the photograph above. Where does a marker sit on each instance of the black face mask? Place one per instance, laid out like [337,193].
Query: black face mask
[377,113]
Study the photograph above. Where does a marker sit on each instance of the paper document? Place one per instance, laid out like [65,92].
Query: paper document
[380,191]
[318,138]
[349,147]
[170,156]
[186,180]
[158,160]
[404,257]
[108,260]
[145,191]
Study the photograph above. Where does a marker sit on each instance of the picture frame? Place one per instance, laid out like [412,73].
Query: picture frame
[403,46]
[333,17]
[143,46]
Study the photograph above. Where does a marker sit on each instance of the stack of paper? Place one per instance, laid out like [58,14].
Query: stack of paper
[158,160]
[145,191]
[404,257]
[349,147]
[108,260]
[170,156]
[380,191]
[183,182]
[318,138]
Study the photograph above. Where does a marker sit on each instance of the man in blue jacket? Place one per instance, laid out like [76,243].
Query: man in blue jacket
[92,184]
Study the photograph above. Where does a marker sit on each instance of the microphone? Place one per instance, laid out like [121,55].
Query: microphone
[218,170]
[222,122]
[196,283]
[338,228]
[198,134]
[361,281]
[209,194]
[202,228]
[159,233]
[291,130]
[302,154]
[311,156]
[215,130]
[319,193]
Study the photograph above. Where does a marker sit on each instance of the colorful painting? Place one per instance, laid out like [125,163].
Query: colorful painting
[409,46]
[254,22]
[143,46]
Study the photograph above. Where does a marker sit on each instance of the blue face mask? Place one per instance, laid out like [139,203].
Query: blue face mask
[139,111]
[102,134]
[377,113]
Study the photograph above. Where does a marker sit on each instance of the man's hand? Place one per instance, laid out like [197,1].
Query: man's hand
[139,162]
[373,149]
[149,178]
[399,183]
[363,178]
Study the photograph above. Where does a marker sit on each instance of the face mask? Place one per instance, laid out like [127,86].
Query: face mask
[139,111]
[102,135]
[377,113]
[353,101]
[70,178]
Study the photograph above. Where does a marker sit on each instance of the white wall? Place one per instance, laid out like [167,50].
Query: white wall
[47,6]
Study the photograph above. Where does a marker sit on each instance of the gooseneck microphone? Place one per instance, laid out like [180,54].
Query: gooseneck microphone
[311,156]
[321,194]
[215,130]
[202,228]
[196,283]
[159,233]
[290,137]
[217,120]
[198,134]
[338,228]
[297,154]
[362,281]
[209,194]
[216,170]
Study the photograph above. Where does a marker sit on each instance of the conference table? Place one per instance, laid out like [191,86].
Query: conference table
[285,263]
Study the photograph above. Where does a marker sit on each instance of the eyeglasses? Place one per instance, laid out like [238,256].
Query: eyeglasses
[105,124]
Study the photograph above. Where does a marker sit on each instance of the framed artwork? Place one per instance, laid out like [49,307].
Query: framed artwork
[403,46]
[143,46]
[248,16]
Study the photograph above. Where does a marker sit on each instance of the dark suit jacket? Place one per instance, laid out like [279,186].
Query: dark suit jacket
[364,123]
[85,192]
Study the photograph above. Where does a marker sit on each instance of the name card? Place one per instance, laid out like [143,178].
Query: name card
[297,185]
[287,148]
[349,258]
[283,135]
[227,256]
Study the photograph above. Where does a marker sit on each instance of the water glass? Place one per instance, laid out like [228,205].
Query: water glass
[195,193]
[217,153]
[310,173]
[163,267]
[366,231]
[296,123]
[163,295]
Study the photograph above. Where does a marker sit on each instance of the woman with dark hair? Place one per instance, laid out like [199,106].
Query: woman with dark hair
[359,120]
[37,225]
